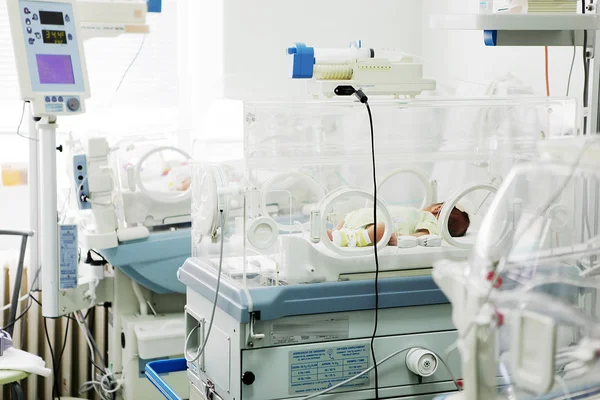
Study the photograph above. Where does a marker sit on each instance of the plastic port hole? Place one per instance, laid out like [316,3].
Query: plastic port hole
[81,188]
[79,168]
[80,177]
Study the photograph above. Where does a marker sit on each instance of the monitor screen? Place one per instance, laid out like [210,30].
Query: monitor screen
[55,69]
[51,18]
[54,37]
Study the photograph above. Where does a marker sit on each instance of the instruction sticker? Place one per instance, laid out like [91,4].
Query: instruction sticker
[68,256]
[310,330]
[318,369]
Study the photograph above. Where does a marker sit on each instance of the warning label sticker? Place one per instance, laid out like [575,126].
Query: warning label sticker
[68,254]
[310,330]
[318,369]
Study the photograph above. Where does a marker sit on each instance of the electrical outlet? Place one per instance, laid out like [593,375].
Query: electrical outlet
[81,183]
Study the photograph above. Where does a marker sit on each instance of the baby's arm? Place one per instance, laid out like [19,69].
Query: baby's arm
[427,226]
[421,232]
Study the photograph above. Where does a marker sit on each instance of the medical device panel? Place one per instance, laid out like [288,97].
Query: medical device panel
[332,72]
[49,56]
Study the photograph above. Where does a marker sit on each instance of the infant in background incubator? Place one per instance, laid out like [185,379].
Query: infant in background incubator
[357,229]
[166,175]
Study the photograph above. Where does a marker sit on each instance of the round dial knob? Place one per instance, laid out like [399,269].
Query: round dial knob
[248,378]
[73,104]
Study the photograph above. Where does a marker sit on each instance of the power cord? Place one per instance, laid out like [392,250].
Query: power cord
[345,91]
[60,356]
[54,383]
[364,100]
[29,304]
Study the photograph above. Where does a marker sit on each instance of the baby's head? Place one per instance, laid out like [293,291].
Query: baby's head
[458,223]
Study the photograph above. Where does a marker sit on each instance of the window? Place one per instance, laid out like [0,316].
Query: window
[135,81]
[10,106]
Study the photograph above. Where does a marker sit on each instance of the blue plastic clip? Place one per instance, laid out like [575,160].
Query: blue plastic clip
[490,38]
[155,368]
[303,61]
[154,6]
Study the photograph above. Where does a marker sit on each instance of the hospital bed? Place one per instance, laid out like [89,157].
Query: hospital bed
[294,314]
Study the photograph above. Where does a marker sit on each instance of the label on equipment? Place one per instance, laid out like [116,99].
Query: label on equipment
[310,330]
[55,108]
[67,257]
[318,369]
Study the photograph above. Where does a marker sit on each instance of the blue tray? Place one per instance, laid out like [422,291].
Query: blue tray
[155,368]
[153,262]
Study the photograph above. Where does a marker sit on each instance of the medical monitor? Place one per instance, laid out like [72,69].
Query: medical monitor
[49,56]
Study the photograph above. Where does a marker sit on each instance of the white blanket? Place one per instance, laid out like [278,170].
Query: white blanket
[19,360]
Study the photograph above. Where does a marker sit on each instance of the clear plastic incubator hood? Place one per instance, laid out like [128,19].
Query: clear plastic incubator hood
[295,171]
[526,304]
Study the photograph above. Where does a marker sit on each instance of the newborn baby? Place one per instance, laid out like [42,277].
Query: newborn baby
[357,230]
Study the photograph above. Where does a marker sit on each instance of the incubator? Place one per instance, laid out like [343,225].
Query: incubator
[133,199]
[285,312]
[526,304]
[305,166]
[153,179]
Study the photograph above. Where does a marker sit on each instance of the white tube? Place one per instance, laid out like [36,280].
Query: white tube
[140,297]
[49,219]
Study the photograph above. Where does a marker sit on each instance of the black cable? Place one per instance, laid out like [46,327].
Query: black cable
[364,99]
[28,305]
[34,299]
[62,351]
[376,255]
[40,304]
[19,317]
[99,255]
[55,383]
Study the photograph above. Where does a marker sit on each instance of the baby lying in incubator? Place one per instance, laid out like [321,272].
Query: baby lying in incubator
[357,229]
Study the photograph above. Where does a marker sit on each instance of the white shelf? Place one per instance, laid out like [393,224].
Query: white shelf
[516,22]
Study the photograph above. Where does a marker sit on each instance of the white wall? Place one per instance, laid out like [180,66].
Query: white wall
[255,35]
[452,56]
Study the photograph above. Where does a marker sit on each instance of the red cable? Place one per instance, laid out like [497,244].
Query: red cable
[547,72]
